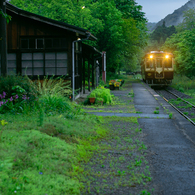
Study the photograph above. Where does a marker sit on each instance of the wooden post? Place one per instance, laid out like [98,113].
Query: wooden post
[3,40]
[104,66]
[80,72]
[89,73]
[83,74]
[93,64]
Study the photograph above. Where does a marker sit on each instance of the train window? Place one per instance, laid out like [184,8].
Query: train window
[159,63]
[168,63]
[150,63]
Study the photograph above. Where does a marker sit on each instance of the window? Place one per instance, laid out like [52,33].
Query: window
[159,63]
[150,63]
[56,63]
[64,43]
[38,63]
[56,43]
[24,43]
[62,64]
[44,43]
[39,44]
[48,43]
[31,43]
[50,63]
[11,63]
[27,63]
[168,63]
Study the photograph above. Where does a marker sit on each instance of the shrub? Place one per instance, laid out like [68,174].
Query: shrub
[55,103]
[102,93]
[19,85]
[51,86]
[15,103]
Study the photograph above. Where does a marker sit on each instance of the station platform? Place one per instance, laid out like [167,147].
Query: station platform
[170,141]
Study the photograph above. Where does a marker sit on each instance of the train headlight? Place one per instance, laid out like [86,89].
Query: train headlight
[151,56]
[167,56]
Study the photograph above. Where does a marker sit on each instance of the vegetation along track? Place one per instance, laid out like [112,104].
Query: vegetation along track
[179,102]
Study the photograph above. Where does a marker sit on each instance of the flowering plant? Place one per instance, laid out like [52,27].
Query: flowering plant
[14,103]
[117,84]
[111,82]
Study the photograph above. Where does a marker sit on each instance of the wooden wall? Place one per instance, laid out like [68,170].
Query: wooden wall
[21,26]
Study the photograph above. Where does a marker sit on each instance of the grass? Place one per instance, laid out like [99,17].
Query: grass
[50,154]
[46,150]
[114,166]
[170,115]
[156,112]
[184,84]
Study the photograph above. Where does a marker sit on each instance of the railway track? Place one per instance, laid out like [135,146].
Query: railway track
[177,101]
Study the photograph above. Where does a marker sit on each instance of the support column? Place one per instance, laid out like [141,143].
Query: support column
[3,39]
[89,74]
[83,74]
[93,64]
[104,66]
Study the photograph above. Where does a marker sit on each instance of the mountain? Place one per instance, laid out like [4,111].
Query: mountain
[151,26]
[176,17]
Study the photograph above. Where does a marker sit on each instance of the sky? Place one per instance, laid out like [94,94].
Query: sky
[157,9]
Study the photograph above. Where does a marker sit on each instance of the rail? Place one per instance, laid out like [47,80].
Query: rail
[184,115]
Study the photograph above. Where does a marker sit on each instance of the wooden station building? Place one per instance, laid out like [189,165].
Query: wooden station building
[39,46]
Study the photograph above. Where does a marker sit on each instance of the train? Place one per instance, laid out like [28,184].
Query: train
[157,68]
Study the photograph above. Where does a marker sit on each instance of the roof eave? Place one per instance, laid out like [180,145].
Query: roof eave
[49,21]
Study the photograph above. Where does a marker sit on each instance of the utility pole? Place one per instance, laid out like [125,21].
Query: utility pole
[3,39]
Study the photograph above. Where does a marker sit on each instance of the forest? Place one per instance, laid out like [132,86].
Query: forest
[180,41]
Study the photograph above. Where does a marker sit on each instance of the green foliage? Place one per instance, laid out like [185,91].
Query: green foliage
[17,85]
[120,26]
[171,115]
[52,86]
[159,36]
[54,103]
[184,84]
[182,45]
[145,192]
[188,22]
[161,33]
[6,16]
[156,112]
[45,159]
[102,93]
[16,93]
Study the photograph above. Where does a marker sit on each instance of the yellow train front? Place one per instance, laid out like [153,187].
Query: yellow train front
[157,68]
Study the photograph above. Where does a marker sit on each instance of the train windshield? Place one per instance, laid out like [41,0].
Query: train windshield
[150,63]
[168,63]
[159,62]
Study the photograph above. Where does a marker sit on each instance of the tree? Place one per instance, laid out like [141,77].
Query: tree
[182,45]
[161,33]
[188,22]
[119,25]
